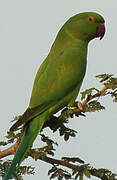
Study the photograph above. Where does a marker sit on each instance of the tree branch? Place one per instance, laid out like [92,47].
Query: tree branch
[9,151]
[12,150]
[94,172]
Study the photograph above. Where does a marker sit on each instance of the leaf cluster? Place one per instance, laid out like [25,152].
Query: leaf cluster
[19,171]
[111,83]
[79,172]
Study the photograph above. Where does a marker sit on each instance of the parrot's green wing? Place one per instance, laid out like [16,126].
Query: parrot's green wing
[55,79]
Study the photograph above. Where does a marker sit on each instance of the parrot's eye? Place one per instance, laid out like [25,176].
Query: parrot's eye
[91,19]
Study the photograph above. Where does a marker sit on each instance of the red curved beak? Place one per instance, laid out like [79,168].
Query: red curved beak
[101,31]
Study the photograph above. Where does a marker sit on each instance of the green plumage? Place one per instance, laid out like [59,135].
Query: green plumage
[58,79]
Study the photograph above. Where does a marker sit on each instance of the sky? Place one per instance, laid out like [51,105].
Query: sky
[27,31]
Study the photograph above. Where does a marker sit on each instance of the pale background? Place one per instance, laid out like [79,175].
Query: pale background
[27,31]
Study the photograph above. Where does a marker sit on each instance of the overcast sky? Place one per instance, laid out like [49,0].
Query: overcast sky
[27,31]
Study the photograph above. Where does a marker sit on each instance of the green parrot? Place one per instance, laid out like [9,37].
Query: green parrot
[58,79]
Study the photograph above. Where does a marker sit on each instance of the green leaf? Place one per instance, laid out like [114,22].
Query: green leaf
[73,159]
[53,169]
[81,177]
[104,77]
[87,173]
[66,136]
[93,106]
[88,92]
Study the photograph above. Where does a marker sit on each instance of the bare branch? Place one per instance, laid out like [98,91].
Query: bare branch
[9,151]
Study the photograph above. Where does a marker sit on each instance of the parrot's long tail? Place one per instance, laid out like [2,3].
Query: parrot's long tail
[31,131]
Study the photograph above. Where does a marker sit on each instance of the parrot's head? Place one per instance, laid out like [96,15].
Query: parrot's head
[86,26]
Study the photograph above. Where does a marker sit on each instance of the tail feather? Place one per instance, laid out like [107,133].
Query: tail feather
[31,132]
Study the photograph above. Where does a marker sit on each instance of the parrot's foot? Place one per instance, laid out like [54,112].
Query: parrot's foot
[72,107]
[77,105]
[80,106]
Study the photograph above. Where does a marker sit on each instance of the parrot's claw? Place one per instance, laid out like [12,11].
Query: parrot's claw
[80,106]
[72,107]
[77,105]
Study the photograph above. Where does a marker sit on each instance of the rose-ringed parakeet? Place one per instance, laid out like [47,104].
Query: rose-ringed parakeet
[58,79]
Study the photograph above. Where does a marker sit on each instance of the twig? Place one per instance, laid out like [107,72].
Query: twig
[53,161]
[93,171]
[90,97]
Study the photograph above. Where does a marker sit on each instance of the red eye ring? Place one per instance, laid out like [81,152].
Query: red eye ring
[91,19]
